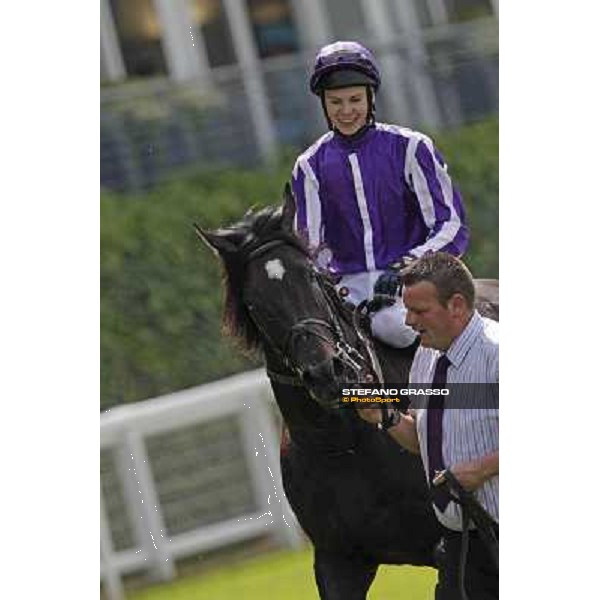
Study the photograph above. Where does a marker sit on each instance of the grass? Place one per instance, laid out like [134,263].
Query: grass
[284,576]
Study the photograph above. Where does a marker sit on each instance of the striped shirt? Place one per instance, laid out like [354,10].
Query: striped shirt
[468,433]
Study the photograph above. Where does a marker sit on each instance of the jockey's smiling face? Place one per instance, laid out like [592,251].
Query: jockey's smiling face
[347,108]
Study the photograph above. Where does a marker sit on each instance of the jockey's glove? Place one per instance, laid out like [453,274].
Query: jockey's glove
[389,282]
[380,301]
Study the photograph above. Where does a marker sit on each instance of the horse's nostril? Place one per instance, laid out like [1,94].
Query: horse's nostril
[311,375]
[307,375]
[321,373]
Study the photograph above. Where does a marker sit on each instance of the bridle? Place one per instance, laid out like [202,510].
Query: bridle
[361,367]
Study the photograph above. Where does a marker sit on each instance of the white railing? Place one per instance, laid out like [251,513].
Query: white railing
[245,400]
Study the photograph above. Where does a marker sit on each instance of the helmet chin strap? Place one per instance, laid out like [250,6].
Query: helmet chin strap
[351,137]
[370,114]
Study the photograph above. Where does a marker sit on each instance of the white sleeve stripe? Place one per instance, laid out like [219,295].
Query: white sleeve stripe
[364,212]
[451,227]
[423,195]
[313,205]
[411,149]
[309,173]
[311,191]
[311,151]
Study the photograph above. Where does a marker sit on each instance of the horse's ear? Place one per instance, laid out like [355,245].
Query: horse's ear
[217,241]
[289,208]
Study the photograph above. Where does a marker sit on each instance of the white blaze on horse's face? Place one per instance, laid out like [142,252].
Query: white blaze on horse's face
[275,269]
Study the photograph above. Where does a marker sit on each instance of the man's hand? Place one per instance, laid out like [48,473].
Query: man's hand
[370,413]
[404,431]
[473,474]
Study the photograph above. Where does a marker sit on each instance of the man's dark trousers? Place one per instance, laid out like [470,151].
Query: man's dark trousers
[481,575]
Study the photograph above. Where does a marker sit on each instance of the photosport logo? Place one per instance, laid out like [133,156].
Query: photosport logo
[388,395]
[416,395]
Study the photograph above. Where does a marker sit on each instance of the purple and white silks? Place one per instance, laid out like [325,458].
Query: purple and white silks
[374,200]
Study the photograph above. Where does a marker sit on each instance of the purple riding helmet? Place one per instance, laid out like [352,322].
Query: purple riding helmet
[344,64]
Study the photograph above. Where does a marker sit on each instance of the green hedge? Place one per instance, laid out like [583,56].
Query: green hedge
[161,293]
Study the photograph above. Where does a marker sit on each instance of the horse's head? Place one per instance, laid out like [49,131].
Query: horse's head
[278,301]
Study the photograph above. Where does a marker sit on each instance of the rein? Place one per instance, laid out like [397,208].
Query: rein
[472,511]
[344,352]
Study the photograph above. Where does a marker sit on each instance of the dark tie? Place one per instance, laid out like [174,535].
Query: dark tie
[435,415]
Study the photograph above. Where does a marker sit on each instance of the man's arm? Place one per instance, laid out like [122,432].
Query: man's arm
[474,473]
[404,432]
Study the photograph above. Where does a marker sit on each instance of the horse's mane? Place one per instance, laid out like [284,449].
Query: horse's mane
[254,230]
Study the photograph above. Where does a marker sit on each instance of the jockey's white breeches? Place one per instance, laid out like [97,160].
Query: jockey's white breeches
[387,324]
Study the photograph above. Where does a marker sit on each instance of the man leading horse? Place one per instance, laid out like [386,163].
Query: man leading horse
[361,500]
[457,439]
[374,196]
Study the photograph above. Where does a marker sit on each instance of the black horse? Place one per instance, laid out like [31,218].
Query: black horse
[359,497]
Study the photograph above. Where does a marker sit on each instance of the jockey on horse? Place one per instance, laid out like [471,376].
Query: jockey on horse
[371,196]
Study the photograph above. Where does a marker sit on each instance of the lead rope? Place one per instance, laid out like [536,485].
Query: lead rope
[471,511]
[464,550]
